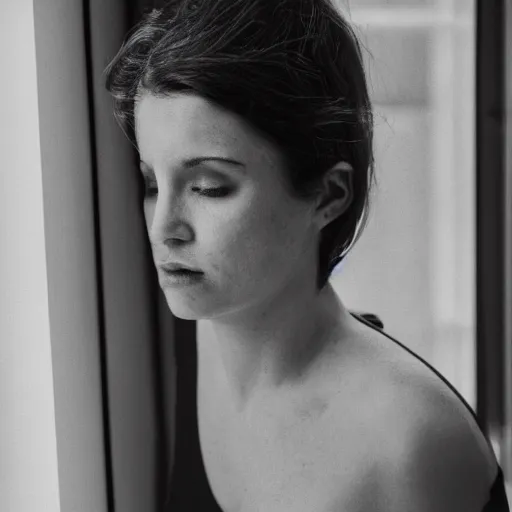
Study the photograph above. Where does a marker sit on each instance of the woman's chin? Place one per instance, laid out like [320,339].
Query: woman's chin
[182,310]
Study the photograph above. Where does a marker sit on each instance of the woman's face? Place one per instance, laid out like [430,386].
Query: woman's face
[253,242]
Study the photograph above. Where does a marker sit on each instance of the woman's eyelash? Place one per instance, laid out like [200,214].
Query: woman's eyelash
[208,192]
[213,192]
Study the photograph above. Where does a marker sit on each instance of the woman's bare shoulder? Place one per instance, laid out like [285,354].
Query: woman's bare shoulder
[383,378]
[419,430]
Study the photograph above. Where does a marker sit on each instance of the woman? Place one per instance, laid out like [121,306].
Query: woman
[254,129]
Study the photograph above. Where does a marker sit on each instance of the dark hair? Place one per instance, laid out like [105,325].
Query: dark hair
[292,68]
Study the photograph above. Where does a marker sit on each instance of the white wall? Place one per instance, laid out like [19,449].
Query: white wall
[28,449]
[51,431]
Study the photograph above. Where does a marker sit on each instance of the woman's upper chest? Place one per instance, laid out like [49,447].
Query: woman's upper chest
[317,443]
[295,451]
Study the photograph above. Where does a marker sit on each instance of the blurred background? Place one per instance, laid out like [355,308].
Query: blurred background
[415,265]
[97,379]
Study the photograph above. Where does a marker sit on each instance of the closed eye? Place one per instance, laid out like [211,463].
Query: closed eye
[213,192]
[151,190]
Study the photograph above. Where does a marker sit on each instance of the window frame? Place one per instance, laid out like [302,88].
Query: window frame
[494,225]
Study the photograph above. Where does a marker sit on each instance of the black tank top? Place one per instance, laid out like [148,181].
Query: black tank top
[190,489]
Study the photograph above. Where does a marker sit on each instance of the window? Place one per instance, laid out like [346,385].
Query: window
[420,60]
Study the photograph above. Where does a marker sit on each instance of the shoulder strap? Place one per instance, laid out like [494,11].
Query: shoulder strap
[363,318]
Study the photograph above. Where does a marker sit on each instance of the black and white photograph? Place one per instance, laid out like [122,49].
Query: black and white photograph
[256,256]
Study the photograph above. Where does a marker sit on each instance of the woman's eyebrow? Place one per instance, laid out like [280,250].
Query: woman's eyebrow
[193,162]
[189,163]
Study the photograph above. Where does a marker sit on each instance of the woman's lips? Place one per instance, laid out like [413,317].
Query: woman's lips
[171,267]
[180,277]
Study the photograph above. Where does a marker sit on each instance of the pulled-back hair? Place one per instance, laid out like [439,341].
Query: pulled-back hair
[291,68]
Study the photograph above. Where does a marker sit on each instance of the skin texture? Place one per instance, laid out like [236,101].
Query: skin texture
[257,246]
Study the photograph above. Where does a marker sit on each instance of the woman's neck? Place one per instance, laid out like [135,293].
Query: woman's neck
[277,345]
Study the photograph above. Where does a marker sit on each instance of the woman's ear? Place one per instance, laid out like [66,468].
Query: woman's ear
[336,194]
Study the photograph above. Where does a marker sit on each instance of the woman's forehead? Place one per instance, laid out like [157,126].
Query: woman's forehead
[185,115]
[185,122]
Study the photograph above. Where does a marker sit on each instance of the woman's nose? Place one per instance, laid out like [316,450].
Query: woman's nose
[168,221]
